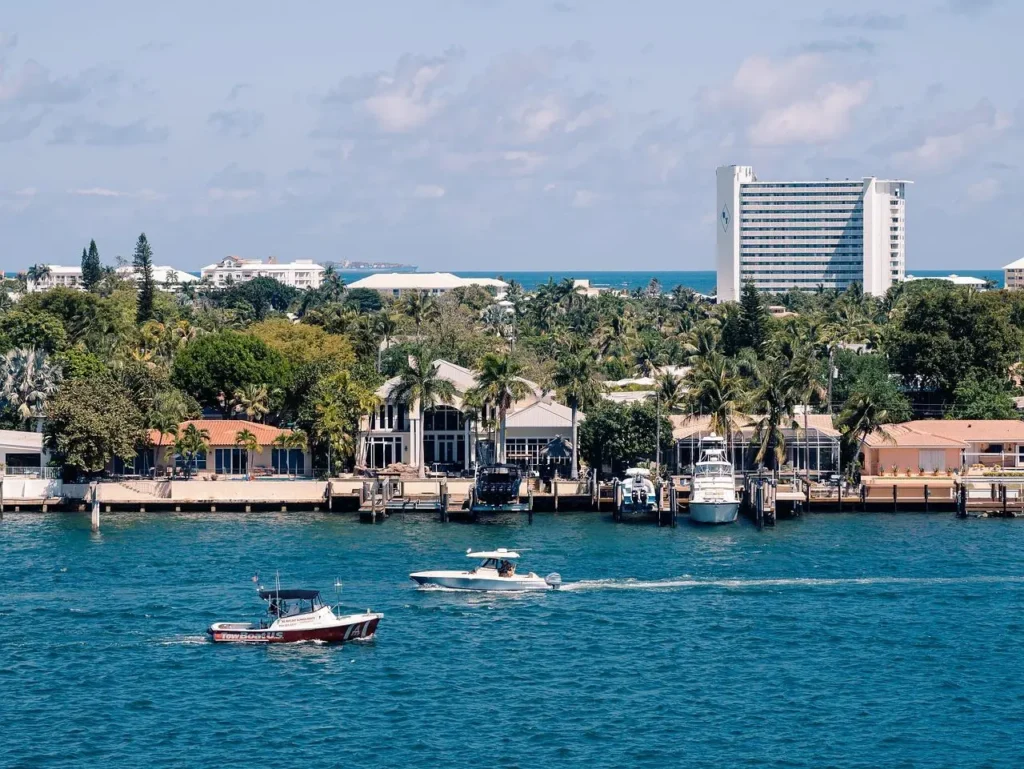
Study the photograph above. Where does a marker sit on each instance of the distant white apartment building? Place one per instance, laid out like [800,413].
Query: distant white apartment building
[399,283]
[805,234]
[165,277]
[58,275]
[1013,274]
[302,273]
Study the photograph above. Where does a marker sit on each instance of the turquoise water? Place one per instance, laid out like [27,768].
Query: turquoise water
[835,640]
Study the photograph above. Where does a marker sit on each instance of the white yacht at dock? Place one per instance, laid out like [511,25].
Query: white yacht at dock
[713,498]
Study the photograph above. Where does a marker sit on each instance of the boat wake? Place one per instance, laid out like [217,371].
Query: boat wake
[797,582]
[187,640]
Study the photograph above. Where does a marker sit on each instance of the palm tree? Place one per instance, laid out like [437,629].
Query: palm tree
[165,424]
[332,285]
[772,400]
[280,443]
[715,389]
[804,377]
[296,439]
[862,416]
[27,380]
[576,377]
[190,443]
[385,325]
[37,273]
[420,387]
[500,384]
[418,306]
[495,321]
[253,400]
[245,440]
[646,352]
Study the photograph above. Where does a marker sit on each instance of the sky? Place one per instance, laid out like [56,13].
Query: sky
[494,135]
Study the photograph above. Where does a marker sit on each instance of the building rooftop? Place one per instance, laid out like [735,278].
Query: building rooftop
[425,281]
[222,431]
[1017,265]
[692,426]
[959,280]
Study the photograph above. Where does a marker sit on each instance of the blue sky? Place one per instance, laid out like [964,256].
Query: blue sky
[494,134]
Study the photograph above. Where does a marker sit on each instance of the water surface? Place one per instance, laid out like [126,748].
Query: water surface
[836,640]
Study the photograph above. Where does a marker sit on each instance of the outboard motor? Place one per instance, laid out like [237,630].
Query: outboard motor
[554,579]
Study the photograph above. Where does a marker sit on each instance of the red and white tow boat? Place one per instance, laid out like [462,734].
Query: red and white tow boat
[297,615]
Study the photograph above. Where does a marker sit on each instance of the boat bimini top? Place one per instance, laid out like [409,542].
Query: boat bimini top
[499,554]
[638,472]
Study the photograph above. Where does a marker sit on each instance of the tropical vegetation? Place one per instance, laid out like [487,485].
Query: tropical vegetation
[103,368]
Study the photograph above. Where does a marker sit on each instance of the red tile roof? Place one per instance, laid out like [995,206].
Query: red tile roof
[222,431]
[939,433]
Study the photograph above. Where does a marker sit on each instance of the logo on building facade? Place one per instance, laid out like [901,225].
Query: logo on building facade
[724,218]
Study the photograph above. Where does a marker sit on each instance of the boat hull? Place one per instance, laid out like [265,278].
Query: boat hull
[352,628]
[714,512]
[464,581]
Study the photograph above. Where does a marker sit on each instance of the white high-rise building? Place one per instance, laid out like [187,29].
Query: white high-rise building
[783,235]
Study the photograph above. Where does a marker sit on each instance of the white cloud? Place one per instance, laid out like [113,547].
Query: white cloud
[104,192]
[799,99]
[219,193]
[407,99]
[952,137]
[763,81]
[821,118]
[428,191]
[584,198]
[983,191]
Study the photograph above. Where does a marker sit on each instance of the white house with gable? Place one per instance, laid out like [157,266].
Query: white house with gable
[449,438]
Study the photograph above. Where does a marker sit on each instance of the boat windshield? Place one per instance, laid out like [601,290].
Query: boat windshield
[706,469]
[504,567]
[284,607]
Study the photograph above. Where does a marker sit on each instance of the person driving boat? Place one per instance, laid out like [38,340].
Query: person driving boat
[506,568]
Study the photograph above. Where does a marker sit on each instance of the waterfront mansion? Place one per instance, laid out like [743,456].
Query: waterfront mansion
[453,438]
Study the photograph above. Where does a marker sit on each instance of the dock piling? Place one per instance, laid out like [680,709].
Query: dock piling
[926,496]
[95,508]
[894,495]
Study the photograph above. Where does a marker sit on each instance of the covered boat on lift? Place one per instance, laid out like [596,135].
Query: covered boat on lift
[297,615]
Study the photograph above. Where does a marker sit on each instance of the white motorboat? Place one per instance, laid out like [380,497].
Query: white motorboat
[496,572]
[637,492]
[713,498]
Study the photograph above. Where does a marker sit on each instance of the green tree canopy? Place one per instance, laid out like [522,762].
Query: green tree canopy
[940,335]
[258,297]
[621,435]
[217,365]
[22,328]
[90,421]
[988,398]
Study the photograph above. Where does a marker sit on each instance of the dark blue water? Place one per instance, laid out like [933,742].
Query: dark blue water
[840,640]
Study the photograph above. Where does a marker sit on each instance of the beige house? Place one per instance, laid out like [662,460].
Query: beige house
[224,457]
[944,444]
[816,448]
[450,439]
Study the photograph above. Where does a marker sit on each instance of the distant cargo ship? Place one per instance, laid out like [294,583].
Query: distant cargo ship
[351,266]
